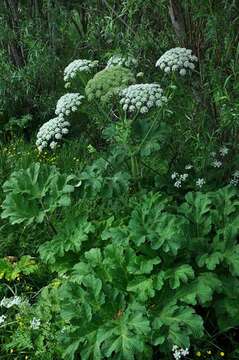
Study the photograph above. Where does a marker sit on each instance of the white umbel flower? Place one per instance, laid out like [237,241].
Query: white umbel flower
[51,132]
[9,302]
[177,59]
[77,66]
[125,61]
[142,97]
[68,103]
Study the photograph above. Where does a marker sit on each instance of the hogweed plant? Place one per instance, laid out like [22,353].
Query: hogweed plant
[142,256]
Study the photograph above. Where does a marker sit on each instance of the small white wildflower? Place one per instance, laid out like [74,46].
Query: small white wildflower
[200,182]
[223,151]
[178,184]
[179,353]
[217,163]
[183,177]
[188,167]
[185,352]
[174,175]
[35,323]
[2,319]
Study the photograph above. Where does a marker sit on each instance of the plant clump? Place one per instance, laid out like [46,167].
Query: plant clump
[177,59]
[142,98]
[108,83]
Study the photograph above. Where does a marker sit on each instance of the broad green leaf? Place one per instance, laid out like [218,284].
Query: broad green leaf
[197,209]
[210,261]
[129,333]
[175,324]
[183,274]
[142,287]
[201,289]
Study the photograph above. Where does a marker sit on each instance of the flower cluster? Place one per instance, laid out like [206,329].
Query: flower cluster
[179,179]
[54,129]
[35,323]
[68,103]
[2,319]
[128,62]
[235,178]
[77,66]
[217,163]
[177,59]
[223,151]
[179,353]
[200,182]
[142,97]
[51,132]
[108,83]
[9,302]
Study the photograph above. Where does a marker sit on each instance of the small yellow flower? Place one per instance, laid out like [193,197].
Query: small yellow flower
[198,353]
[209,352]
[222,353]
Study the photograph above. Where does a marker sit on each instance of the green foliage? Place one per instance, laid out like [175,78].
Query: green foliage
[146,281]
[34,194]
[10,270]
